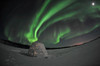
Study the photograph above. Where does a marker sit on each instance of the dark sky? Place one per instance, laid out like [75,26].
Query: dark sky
[82,26]
[7,7]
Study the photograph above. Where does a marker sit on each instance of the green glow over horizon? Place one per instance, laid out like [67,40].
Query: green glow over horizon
[65,11]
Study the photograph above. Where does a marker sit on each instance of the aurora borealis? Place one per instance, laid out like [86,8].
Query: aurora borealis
[51,21]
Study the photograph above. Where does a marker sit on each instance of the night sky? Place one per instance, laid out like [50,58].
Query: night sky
[55,23]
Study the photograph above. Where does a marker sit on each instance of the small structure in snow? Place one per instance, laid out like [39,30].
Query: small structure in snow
[37,49]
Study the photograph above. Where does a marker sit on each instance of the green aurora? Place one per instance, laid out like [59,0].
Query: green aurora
[61,11]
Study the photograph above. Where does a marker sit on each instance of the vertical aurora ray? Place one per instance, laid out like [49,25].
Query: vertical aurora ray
[31,36]
[54,10]
[66,16]
[61,34]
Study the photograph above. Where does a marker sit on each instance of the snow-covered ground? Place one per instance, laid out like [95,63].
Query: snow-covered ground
[84,55]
